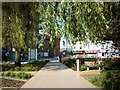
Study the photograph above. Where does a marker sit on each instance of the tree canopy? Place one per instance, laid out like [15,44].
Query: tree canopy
[77,21]
[80,21]
[19,26]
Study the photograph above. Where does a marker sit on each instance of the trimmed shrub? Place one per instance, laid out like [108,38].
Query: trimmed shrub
[8,74]
[2,74]
[13,74]
[7,66]
[31,66]
[23,75]
[17,68]
[26,68]
[73,68]
[94,67]
[70,63]
[83,67]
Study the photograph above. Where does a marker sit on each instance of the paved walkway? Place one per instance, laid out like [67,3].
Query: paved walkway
[57,75]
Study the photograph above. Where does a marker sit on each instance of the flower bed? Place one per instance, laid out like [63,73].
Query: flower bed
[67,58]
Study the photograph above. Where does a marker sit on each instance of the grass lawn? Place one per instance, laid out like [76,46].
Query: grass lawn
[103,79]
[88,75]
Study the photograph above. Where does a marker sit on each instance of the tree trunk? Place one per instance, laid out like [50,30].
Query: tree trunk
[18,59]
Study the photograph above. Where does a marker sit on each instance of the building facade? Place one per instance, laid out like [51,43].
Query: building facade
[90,50]
[45,50]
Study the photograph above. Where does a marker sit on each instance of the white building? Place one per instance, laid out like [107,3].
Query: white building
[102,50]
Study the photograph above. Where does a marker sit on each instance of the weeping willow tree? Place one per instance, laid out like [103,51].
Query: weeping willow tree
[19,23]
[88,20]
[82,21]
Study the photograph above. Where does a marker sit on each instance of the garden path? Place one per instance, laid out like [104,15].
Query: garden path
[57,75]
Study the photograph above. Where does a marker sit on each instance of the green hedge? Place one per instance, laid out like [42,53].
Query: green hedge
[112,64]
[70,63]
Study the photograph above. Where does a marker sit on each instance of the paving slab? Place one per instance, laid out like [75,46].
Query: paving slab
[57,75]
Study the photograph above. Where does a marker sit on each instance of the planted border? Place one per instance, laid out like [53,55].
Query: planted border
[31,66]
[20,75]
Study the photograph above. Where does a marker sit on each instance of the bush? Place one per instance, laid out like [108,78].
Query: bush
[8,74]
[112,64]
[7,66]
[20,75]
[108,79]
[70,63]
[31,66]
[2,74]
[38,62]
[17,68]
[83,67]
[94,67]
[26,68]
[115,83]
[13,74]
[23,75]
[73,68]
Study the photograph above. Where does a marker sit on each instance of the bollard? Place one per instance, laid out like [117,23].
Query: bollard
[78,65]
[99,68]
[87,68]
[36,54]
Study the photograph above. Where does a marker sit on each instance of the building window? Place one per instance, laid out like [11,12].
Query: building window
[41,54]
[45,54]
[102,54]
[46,49]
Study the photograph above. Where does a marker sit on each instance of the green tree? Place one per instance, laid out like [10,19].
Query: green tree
[19,26]
[96,21]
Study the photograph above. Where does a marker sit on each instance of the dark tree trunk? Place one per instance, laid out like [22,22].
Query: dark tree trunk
[18,59]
